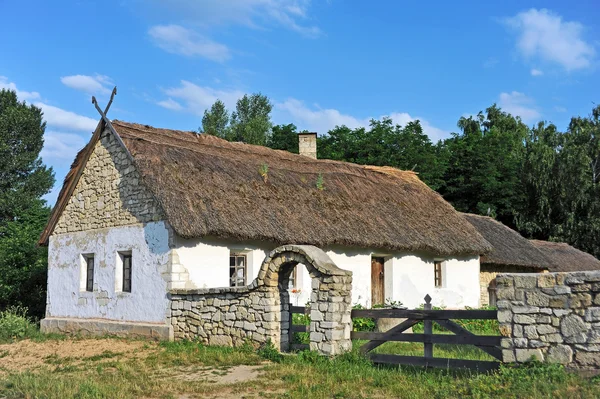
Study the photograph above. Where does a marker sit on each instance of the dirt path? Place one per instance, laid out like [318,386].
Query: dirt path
[29,355]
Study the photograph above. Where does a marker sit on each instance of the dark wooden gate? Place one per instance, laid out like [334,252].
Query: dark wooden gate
[295,344]
[488,344]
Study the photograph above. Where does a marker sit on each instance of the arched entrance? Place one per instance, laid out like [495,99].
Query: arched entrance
[330,298]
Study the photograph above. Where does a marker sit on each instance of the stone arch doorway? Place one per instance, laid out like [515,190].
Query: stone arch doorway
[330,297]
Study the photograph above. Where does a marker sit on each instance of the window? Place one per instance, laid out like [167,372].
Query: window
[237,270]
[123,272]
[126,272]
[438,273]
[89,272]
[492,293]
[293,278]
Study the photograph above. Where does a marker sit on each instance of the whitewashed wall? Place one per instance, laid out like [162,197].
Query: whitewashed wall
[147,301]
[408,278]
[207,260]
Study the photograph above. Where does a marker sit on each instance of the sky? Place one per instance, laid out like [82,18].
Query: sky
[322,63]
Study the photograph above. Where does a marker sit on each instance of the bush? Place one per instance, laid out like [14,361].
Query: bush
[14,324]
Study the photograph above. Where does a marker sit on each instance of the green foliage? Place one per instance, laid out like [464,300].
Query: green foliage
[216,121]
[386,144]
[362,323]
[320,182]
[15,324]
[23,180]
[284,137]
[268,352]
[249,123]
[263,170]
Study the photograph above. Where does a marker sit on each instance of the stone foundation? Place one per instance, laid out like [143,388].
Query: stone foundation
[98,327]
[552,317]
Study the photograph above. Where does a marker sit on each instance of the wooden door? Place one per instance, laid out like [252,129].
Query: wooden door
[377,293]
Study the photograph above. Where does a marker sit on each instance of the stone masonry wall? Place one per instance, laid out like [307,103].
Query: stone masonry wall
[488,272]
[307,144]
[260,311]
[109,192]
[552,317]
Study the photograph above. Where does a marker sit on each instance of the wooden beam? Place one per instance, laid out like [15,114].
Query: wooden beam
[405,325]
[494,351]
[484,340]
[425,314]
[480,365]
[299,328]
[298,309]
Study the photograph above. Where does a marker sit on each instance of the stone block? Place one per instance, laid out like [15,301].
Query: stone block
[525,309]
[530,332]
[508,356]
[588,359]
[523,319]
[526,355]
[525,281]
[572,325]
[505,316]
[546,280]
[562,354]
[535,298]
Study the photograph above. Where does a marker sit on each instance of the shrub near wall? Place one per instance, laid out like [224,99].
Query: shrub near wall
[553,317]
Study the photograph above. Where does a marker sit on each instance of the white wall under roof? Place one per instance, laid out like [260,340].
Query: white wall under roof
[407,277]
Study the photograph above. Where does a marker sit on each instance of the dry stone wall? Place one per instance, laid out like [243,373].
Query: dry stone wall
[488,272]
[260,311]
[552,317]
[109,192]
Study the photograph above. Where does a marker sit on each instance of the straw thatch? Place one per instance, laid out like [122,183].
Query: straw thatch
[566,258]
[211,187]
[509,247]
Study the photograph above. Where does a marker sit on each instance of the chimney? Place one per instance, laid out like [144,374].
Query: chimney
[307,144]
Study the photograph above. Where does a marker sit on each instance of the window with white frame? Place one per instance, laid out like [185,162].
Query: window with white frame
[123,272]
[87,273]
[238,269]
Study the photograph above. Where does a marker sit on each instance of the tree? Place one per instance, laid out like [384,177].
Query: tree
[484,165]
[251,120]
[23,181]
[284,137]
[216,120]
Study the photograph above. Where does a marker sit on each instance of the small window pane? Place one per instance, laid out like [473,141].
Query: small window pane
[237,270]
[126,273]
[89,285]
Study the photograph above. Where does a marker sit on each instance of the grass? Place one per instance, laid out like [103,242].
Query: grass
[302,375]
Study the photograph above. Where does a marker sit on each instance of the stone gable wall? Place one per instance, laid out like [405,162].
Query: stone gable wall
[109,192]
[552,317]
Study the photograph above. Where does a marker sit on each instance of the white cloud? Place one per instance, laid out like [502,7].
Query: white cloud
[21,95]
[558,108]
[323,120]
[178,40]
[536,72]
[61,147]
[518,104]
[257,14]
[544,34]
[171,104]
[196,99]
[98,84]
[62,119]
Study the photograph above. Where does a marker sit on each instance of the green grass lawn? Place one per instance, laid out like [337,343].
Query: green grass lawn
[303,375]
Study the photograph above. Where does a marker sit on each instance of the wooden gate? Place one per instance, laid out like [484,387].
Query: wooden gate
[488,344]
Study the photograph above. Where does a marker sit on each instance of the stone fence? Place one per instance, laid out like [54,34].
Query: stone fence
[552,317]
[260,311]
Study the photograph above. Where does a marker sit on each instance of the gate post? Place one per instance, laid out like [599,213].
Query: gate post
[428,328]
[331,323]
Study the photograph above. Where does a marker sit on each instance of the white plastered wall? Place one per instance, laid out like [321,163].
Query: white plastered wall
[147,302]
[407,278]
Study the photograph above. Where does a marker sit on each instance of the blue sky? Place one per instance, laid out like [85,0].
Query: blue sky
[322,63]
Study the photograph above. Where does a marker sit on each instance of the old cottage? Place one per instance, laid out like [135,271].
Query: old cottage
[565,258]
[144,211]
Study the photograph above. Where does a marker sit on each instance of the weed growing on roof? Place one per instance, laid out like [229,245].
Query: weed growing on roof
[320,182]
[263,170]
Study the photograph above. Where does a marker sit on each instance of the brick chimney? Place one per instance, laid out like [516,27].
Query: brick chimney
[307,144]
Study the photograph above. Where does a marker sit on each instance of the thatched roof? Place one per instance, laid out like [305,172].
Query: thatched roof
[566,258]
[210,187]
[509,247]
